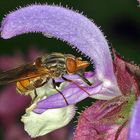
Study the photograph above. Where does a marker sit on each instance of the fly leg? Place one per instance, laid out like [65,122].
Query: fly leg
[85,79]
[81,74]
[34,96]
[35,93]
[38,84]
[68,80]
[55,87]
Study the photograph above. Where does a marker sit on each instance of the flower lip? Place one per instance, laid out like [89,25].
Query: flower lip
[74,93]
[40,124]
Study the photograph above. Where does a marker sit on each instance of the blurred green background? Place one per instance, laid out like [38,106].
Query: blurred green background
[118,19]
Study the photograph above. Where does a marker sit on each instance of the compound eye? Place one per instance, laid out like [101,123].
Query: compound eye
[71,65]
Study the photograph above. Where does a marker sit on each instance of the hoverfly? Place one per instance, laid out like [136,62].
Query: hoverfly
[50,66]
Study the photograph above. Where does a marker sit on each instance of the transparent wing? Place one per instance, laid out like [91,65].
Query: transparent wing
[22,73]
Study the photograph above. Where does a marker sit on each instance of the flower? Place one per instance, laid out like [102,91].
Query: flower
[50,120]
[109,120]
[134,129]
[75,29]
[107,81]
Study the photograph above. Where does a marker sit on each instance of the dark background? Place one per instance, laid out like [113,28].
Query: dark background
[118,19]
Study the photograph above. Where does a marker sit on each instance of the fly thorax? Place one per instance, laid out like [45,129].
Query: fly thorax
[55,62]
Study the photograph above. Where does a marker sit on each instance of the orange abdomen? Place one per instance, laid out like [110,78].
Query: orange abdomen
[23,86]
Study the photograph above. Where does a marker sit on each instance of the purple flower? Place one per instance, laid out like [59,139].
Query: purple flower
[108,80]
[79,32]
[134,129]
[107,120]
